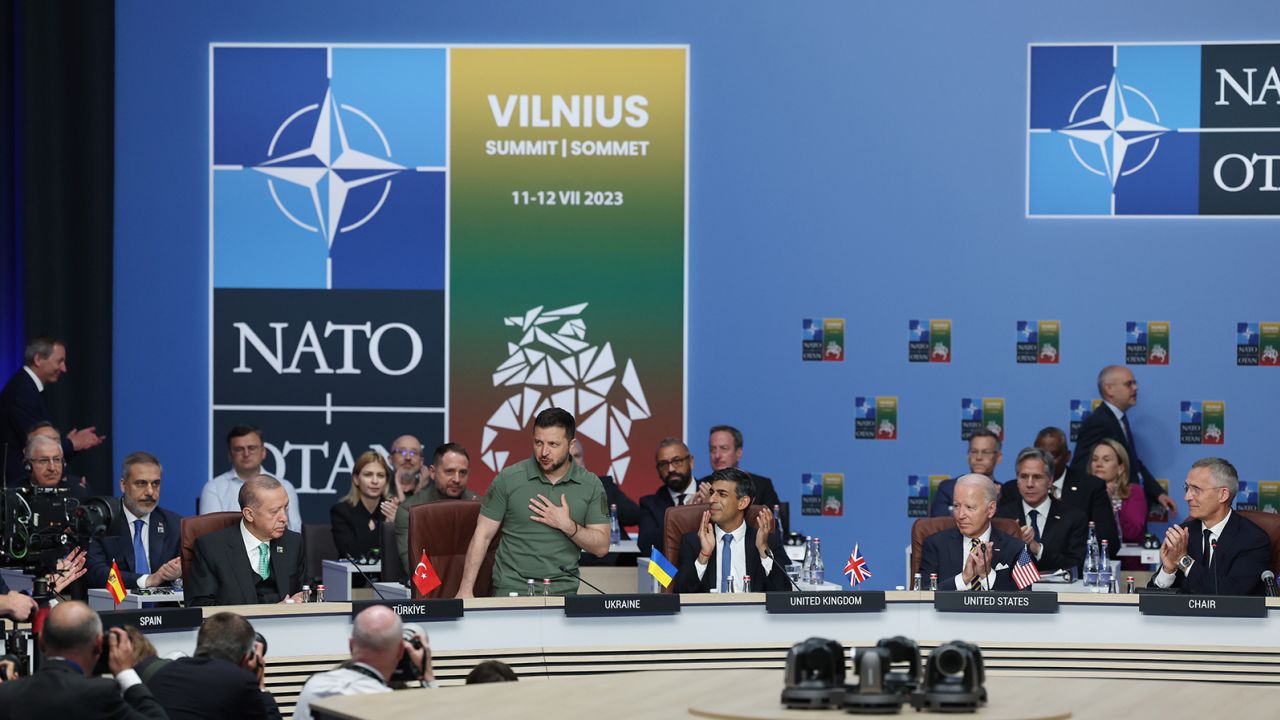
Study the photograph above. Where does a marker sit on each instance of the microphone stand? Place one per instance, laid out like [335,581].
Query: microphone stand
[572,573]
[356,565]
[769,554]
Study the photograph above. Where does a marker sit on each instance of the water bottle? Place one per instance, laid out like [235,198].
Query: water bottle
[819,570]
[306,593]
[1091,552]
[746,583]
[933,582]
[915,582]
[546,587]
[1104,570]
[806,566]
[319,593]
[532,589]
[1128,585]
[615,532]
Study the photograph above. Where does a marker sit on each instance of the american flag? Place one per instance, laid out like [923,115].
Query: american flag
[857,565]
[1025,571]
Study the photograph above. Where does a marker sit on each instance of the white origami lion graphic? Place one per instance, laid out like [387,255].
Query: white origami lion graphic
[1048,351]
[886,428]
[1213,432]
[1270,354]
[1158,353]
[941,351]
[834,350]
[995,428]
[559,368]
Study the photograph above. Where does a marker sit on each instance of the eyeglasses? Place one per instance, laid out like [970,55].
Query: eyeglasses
[664,464]
[47,461]
[405,453]
[1196,490]
[245,449]
[983,453]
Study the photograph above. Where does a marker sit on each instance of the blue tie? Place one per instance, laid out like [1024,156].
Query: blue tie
[1133,444]
[726,563]
[1034,527]
[140,565]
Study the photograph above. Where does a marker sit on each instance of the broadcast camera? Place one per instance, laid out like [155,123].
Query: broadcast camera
[40,525]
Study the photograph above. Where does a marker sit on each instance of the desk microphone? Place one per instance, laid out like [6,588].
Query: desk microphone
[367,579]
[1269,583]
[572,573]
[768,552]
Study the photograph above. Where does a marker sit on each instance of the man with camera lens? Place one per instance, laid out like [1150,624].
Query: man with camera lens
[223,679]
[72,642]
[384,654]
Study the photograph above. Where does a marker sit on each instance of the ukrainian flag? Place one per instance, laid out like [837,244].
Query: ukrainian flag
[661,568]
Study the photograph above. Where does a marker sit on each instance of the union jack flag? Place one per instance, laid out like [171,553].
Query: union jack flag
[856,567]
[1025,572]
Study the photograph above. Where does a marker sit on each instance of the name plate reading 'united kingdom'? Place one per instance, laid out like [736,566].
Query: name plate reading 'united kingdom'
[996,602]
[415,610]
[824,602]
[154,620]
[618,605]
[1201,605]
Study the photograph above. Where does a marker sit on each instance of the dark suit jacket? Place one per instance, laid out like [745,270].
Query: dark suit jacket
[1243,553]
[1085,493]
[942,554]
[765,494]
[164,540]
[58,690]
[206,687]
[21,406]
[1102,424]
[628,514]
[1063,534]
[687,580]
[653,508]
[221,574]
[944,496]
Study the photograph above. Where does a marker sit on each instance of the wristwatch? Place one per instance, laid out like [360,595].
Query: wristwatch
[1185,562]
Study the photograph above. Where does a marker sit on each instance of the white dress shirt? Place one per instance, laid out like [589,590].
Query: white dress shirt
[1042,513]
[1164,579]
[738,561]
[251,544]
[129,519]
[1119,417]
[964,554]
[1057,485]
[222,494]
[34,378]
[343,681]
[688,494]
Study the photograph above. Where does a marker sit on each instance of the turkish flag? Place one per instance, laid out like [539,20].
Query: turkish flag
[424,576]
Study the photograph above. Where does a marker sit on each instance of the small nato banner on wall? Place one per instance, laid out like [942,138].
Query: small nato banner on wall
[1173,130]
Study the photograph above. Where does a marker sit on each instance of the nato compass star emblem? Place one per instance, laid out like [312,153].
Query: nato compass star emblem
[1113,131]
[328,168]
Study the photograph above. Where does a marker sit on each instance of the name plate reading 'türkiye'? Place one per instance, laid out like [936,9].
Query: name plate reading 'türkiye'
[1202,605]
[825,602]
[415,610]
[619,605]
[996,602]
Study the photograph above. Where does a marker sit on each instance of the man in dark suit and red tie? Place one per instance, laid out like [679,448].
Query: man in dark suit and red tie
[1119,391]
[725,549]
[973,555]
[1216,551]
[144,539]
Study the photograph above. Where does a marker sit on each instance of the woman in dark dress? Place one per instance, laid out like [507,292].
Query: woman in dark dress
[357,519]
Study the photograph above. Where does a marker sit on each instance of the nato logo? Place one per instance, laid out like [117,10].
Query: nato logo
[865,408]
[971,409]
[1028,332]
[813,330]
[919,330]
[1081,410]
[1135,333]
[329,167]
[1246,333]
[1190,412]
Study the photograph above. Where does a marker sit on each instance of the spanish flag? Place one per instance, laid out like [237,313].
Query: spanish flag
[114,585]
[661,568]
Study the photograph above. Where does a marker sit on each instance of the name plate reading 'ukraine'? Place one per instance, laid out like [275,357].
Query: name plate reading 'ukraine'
[996,602]
[617,605]
[1156,603]
[155,620]
[415,610]
[825,602]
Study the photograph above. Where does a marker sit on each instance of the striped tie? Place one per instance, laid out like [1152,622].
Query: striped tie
[976,582]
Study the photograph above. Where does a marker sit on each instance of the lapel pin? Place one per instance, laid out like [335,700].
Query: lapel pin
[280,549]
[1073,488]
[159,528]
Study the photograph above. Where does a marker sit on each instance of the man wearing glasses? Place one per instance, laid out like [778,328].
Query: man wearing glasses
[46,465]
[1216,551]
[406,462]
[144,538]
[984,456]
[1119,391]
[246,450]
[675,470]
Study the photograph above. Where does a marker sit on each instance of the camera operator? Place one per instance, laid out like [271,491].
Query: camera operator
[378,648]
[72,642]
[223,679]
[20,607]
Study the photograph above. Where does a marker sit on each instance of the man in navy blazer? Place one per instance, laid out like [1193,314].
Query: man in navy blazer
[1216,551]
[725,549]
[1055,533]
[144,539]
[984,456]
[675,469]
[973,555]
[1119,391]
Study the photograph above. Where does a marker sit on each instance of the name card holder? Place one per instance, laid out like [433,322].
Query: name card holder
[620,605]
[154,620]
[1039,603]
[824,602]
[1175,604]
[415,610]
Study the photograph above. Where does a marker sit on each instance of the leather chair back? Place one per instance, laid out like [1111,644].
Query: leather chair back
[1270,524]
[317,541]
[392,568]
[924,527]
[444,530]
[195,526]
[683,519]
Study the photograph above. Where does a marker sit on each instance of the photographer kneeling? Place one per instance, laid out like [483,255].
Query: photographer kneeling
[382,659]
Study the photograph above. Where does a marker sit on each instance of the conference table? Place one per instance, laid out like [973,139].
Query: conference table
[1088,636]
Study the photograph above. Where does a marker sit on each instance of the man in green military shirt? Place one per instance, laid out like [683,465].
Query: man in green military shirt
[549,509]
[446,480]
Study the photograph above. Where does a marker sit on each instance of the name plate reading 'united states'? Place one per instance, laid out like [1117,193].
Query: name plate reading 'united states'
[156,620]
[996,602]
[1202,605]
[415,610]
[825,602]
[616,605]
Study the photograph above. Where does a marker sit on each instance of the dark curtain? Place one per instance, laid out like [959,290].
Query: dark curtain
[56,266]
